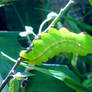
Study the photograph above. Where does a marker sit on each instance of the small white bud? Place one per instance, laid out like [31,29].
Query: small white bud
[29,30]
[23,34]
[51,15]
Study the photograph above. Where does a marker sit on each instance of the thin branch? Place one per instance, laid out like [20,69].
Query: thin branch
[10,74]
[62,12]
[14,60]
[41,26]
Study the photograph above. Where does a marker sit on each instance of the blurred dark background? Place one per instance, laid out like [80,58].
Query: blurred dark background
[20,13]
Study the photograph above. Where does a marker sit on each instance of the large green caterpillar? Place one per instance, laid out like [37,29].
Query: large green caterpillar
[55,42]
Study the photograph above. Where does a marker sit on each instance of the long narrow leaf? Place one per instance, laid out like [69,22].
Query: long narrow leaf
[68,80]
[80,24]
[90,1]
[74,27]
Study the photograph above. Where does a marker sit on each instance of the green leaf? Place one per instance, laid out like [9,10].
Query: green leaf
[13,85]
[41,82]
[69,80]
[87,74]
[10,46]
[90,1]
[6,1]
[79,23]
[74,26]
[87,83]
[61,68]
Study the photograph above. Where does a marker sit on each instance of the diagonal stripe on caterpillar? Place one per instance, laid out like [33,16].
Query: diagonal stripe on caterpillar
[55,42]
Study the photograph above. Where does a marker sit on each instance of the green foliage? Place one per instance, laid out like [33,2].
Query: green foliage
[63,74]
[6,2]
[79,23]
[50,78]
[90,1]
[13,85]
[22,13]
[45,83]
[42,82]
[73,25]
[87,83]
[8,40]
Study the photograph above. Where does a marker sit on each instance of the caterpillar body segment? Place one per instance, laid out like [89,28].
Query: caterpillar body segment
[55,42]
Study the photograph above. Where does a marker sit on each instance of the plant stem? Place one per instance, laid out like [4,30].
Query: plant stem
[62,12]
[9,76]
[41,26]
[10,58]
[74,64]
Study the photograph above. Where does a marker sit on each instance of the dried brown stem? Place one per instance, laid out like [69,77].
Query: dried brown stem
[9,76]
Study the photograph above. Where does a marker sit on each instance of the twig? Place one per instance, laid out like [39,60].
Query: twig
[10,74]
[41,26]
[10,58]
[62,12]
